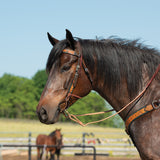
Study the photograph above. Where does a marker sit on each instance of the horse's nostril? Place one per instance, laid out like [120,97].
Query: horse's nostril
[43,114]
[42,111]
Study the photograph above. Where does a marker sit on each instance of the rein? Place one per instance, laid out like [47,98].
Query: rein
[81,64]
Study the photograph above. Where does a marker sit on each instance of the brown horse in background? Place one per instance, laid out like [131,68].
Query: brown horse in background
[54,138]
[119,70]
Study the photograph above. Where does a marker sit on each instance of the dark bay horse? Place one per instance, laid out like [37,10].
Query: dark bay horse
[54,138]
[118,70]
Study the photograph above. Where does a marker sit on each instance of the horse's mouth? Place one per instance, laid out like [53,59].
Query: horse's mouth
[56,117]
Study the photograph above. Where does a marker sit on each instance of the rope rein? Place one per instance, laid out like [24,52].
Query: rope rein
[75,119]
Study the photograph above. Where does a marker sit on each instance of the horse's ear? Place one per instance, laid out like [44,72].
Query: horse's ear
[70,39]
[52,40]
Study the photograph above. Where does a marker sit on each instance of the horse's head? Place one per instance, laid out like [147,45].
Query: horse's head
[68,79]
[59,137]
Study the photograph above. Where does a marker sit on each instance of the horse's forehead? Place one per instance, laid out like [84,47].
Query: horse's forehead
[58,131]
[64,58]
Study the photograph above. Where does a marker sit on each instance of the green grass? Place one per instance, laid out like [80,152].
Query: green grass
[36,127]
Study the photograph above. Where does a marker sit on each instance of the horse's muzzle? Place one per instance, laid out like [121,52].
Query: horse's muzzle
[47,118]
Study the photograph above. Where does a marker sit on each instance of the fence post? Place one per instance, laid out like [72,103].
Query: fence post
[83,142]
[1,158]
[29,146]
[94,153]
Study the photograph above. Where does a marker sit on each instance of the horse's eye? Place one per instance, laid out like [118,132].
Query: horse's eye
[65,68]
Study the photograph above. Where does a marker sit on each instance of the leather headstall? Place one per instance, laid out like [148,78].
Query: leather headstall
[65,104]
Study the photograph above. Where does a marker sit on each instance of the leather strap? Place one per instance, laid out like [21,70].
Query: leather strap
[139,113]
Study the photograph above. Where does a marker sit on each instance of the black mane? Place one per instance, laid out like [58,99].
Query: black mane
[116,59]
[52,133]
[55,53]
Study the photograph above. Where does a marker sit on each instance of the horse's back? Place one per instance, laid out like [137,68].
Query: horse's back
[40,140]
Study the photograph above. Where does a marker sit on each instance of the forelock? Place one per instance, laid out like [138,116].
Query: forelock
[55,54]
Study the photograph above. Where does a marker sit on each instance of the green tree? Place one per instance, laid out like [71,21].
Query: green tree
[17,97]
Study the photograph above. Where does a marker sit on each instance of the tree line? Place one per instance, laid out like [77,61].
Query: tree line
[19,97]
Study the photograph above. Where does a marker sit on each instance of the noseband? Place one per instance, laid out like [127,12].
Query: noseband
[80,64]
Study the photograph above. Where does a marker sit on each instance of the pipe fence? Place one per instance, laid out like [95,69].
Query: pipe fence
[105,143]
[42,146]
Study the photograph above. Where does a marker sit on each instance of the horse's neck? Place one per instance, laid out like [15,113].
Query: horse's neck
[119,99]
[116,100]
[53,137]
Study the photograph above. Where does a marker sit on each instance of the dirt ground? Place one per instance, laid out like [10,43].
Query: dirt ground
[25,157]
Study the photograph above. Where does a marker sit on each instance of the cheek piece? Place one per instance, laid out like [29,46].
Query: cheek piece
[80,64]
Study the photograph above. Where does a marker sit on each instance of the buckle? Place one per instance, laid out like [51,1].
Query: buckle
[156,104]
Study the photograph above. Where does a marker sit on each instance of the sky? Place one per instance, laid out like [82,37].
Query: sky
[24,46]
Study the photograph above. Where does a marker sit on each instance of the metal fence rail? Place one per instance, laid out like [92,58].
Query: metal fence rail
[64,146]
